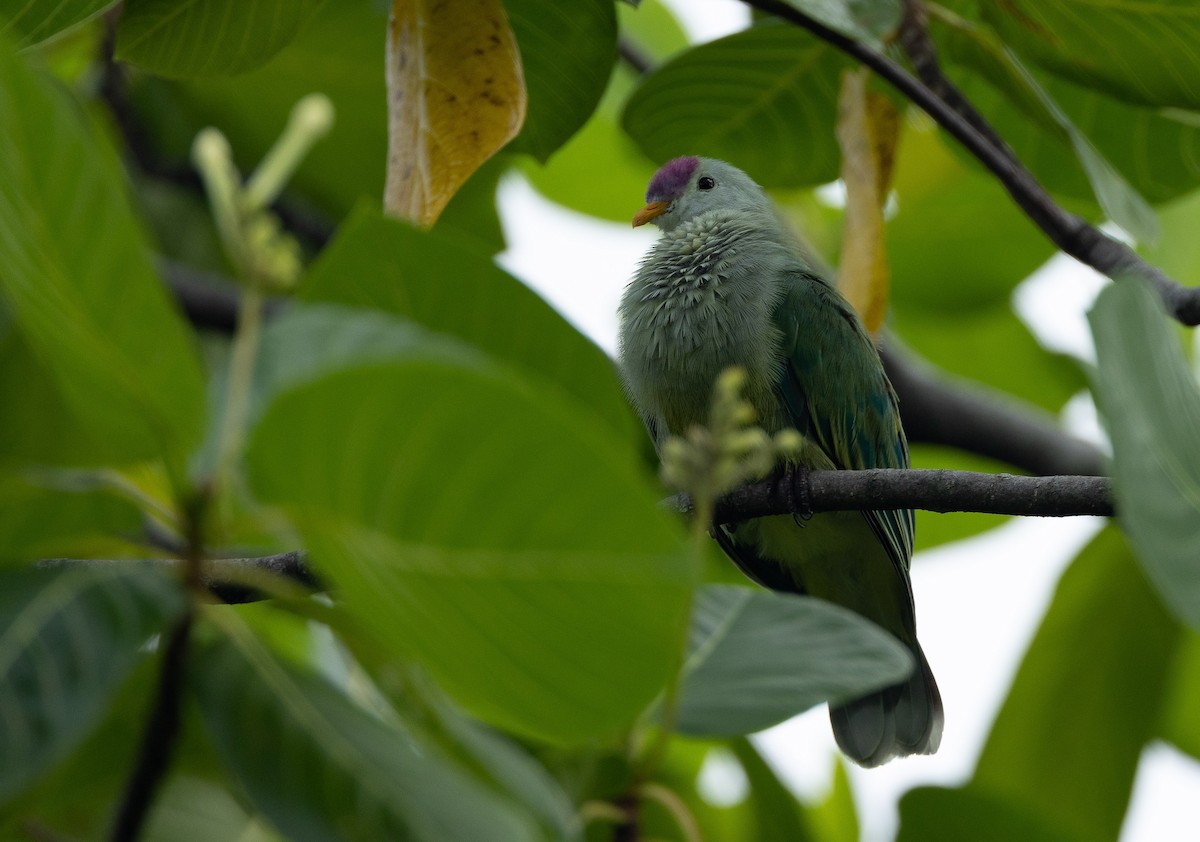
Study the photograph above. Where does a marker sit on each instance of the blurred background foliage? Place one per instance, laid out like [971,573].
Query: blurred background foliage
[459,461]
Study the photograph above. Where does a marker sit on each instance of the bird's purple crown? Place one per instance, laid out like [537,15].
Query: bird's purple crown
[672,177]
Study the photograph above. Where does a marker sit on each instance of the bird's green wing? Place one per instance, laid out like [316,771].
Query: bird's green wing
[835,390]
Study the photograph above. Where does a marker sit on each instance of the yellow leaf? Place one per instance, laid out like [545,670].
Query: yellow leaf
[456,95]
[867,130]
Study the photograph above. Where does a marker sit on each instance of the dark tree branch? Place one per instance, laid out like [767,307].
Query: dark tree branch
[1069,232]
[158,740]
[929,490]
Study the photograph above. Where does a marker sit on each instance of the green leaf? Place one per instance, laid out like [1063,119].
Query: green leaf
[39,427]
[778,815]
[472,214]
[67,640]
[1086,699]
[484,527]
[569,177]
[567,51]
[746,98]
[320,767]
[79,790]
[512,772]
[339,53]
[77,280]
[207,37]
[1148,397]
[942,259]
[33,21]
[445,287]
[929,812]
[1145,52]
[836,818]
[1179,725]
[745,671]
[869,21]
[38,521]
[309,341]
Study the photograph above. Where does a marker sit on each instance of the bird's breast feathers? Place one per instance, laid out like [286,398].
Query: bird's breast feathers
[701,301]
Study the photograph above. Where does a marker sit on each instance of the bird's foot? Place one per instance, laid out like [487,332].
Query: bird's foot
[799,494]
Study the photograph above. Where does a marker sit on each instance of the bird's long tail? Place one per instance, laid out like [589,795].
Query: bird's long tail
[903,719]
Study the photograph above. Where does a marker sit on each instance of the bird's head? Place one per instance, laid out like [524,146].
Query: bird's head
[684,188]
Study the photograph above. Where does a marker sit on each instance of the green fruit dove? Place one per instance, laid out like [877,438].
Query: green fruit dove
[727,285]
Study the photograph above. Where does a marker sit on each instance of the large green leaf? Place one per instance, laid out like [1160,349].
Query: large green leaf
[1151,404]
[935,813]
[1144,52]
[311,340]
[567,52]
[942,259]
[746,98]
[32,21]
[481,525]
[447,287]
[1086,699]
[39,427]
[757,658]
[306,341]
[77,280]
[39,521]
[320,767]
[67,640]
[207,37]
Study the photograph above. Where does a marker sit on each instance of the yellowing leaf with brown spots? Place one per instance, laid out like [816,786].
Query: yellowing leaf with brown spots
[456,95]
[867,130]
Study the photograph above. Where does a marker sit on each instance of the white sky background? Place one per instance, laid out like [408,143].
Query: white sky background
[978,601]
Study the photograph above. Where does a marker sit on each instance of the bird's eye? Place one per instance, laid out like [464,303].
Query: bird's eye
[706,183]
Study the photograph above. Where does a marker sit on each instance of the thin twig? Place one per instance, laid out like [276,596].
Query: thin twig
[232,580]
[1069,232]
[158,740]
[634,55]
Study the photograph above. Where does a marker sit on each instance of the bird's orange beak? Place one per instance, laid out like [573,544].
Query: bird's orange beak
[649,212]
